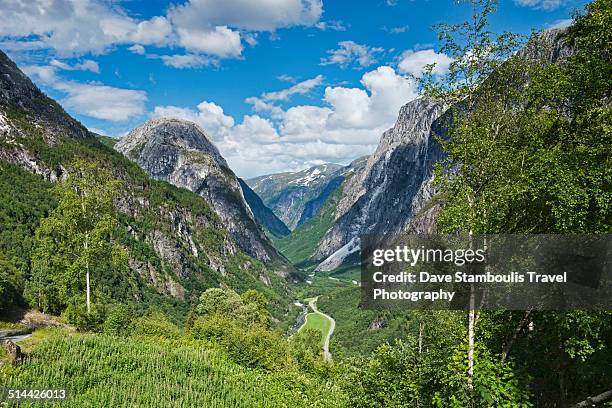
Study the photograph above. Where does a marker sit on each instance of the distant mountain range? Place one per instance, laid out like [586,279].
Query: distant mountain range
[296,197]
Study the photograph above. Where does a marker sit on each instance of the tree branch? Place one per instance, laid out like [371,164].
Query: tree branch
[592,401]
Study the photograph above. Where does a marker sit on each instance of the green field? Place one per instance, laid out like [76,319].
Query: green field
[318,322]
[106,371]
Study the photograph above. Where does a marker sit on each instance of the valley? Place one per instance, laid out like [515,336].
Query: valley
[151,269]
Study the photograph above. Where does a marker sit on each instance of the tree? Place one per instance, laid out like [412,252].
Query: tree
[476,55]
[528,151]
[11,284]
[75,242]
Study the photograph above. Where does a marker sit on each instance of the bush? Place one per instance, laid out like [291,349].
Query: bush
[156,325]
[76,315]
[119,321]
[252,346]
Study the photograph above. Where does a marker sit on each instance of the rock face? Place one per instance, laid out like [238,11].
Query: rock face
[392,193]
[179,152]
[263,215]
[18,93]
[287,194]
[392,188]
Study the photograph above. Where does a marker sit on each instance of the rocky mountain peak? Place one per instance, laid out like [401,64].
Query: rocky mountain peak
[179,152]
[159,137]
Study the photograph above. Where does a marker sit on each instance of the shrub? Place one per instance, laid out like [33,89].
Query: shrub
[156,325]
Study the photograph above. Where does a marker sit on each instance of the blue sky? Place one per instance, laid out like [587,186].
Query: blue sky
[276,84]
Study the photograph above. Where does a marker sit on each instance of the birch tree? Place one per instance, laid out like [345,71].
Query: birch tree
[74,243]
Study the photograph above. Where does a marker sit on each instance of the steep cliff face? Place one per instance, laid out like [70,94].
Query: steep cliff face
[179,152]
[263,215]
[393,192]
[287,194]
[393,186]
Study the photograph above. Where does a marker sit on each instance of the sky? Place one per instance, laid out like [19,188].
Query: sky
[277,85]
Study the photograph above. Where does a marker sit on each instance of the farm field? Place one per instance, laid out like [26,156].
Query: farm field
[100,370]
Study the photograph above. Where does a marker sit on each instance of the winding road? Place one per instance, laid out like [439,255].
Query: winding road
[313,305]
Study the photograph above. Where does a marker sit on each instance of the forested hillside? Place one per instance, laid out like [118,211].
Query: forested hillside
[180,316]
[175,244]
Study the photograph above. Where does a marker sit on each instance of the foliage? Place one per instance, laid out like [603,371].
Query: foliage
[76,314]
[155,325]
[99,370]
[76,238]
[11,283]
[494,383]
[118,320]
[528,151]
[240,325]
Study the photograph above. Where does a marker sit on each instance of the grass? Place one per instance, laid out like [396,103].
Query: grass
[353,332]
[318,322]
[99,370]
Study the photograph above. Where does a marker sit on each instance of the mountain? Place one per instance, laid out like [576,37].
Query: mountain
[394,191]
[263,215]
[177,243]
[288,194]
[179,152]
[301,244]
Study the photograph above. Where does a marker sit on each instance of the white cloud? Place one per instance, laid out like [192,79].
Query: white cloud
[414,62]
[546,5]
[92,99]
[137,49]
[351,52]
[75,27]
[87,65]
[255,15]
[186,61]
[562,23]
[286,78]
[156,31]
[255,129]
[300,88]
[348,125]
[220,41]
[259,105]
[333,25]
[78,27]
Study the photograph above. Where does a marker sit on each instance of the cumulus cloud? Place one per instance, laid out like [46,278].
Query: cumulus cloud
[348,123]
[220,41]
[87,65]
[76,27]
[546,5]
[350,53]
[156,31]
[414,62]
[254,15]
[92,99]
[210,27]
